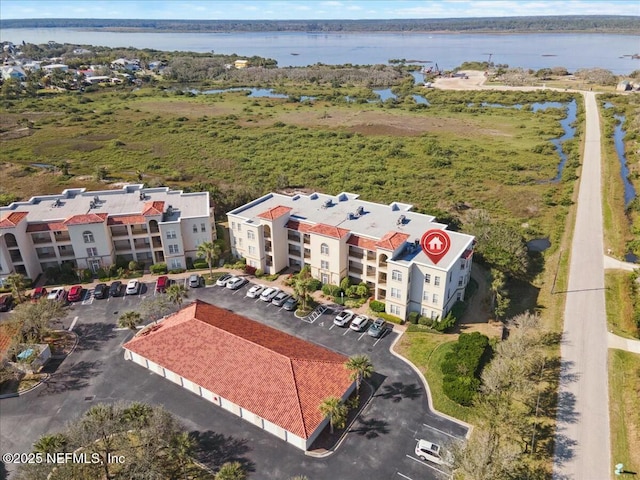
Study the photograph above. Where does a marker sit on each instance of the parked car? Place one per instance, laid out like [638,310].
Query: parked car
[222,281]
[115,290]
[101,291]
[195,280]
[236,282]
[59,294]
[6,303]
[269,293]
[38,293]
[162,283]
[376,329]
[359,323]
[255,291]
[75,293]
[290,304]
[431,452]
[133,287]
[280,298]
[343,318]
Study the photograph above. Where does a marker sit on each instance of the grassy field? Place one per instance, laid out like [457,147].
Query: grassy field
[438,158]
[426,351]
[624,409]
[619,308]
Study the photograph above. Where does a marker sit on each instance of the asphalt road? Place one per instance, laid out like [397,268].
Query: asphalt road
[379,444]
[583,440]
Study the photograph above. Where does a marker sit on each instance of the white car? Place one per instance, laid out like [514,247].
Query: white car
[359,323]
[235,283]
[59,294]
[343,318]
[255,291]
[133,287]
[269,293]
[431,452]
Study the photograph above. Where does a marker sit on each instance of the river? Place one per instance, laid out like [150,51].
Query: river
[529,50]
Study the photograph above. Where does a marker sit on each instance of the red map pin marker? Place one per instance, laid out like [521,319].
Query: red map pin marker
[435,243]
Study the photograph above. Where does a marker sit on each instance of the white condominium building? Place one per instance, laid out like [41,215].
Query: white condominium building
[341,236]
[89,229]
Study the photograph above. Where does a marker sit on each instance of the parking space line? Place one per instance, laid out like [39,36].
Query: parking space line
[346,331]
[376,342]
[441,431]
[427,465]
[404,476]
[73,324]
[362,335]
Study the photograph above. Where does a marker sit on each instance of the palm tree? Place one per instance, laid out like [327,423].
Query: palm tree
[51,443]
[360,367]
[301,284]
[137,414]
[231,471]
[210,252]
[182,448]
[18,285]
[333,408]
[130,320]
[176,293]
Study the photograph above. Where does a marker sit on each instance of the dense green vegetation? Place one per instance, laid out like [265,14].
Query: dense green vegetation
[462,367]
[581,23]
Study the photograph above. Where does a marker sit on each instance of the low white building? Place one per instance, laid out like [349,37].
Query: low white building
[90,228]
[272,380]
[342,236]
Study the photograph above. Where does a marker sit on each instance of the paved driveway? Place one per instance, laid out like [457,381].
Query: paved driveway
[379,444]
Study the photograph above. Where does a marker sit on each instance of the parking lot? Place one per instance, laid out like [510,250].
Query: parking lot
[380,442]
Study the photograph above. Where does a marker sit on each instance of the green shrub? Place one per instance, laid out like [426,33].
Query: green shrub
[331,290]
[314,285]
[446,323]
[345,284]
[133,265]
[425,321]
[86,276]
[259,273]
[200,264]
[177,270]
[158,268]
[376,306]
[102,274]
[460,389]
[463,365]
[413,317]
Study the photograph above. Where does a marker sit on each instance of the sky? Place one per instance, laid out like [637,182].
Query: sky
[308,9]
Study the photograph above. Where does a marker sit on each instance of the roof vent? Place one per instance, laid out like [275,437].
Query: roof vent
[92,204]
[401,220]
[96,199]
[349,216]
[327,203]
[142,196]
[360,210]
[169,209]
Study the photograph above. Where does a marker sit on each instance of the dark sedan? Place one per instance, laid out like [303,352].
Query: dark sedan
[101,291]
[115,290]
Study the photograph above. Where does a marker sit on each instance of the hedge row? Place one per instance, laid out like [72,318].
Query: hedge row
[463,365]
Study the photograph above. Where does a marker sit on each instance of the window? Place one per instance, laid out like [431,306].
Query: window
[324,249]
[324,278]
[233,225]
[435,298]
[252,250]
[174,248]
[92,252]
[436,281]
[427,278]
[88,237]
[394,309]
[434,315]
[324,264]
[253,263]
[176,263]
[203,227]
[251,235]
[460,281]
[424,312]
[239,226]
[425,295]
[239,241]
[462,265]
[171,234]
[395,293]
[396,275]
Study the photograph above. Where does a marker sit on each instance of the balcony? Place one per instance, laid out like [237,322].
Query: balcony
[371,256]
[306,238]
[307,253]
[382,278]
[41,238]
[122,245]
[11,241]
[295,252]
[382,294]
[15,256]
[66,251]
[268,246]
[120,231]
[44,254]
[141,244]
[156,242]
[371,272]
[355,268]
[61,237]
[139,230]
[356,252]
[293,236]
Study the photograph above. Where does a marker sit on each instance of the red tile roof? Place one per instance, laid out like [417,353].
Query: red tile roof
[46,227]
[153,208]
[298,226]
[275,212]
[362,242]
[86,219]
[392,240]
[126,220]
[281,378]
[13,219]
[329,230]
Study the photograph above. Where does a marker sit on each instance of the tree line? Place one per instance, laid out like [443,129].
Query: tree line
[564,23]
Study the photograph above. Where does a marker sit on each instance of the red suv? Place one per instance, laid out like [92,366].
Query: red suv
[75,293]
[38,293]
[162,284]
